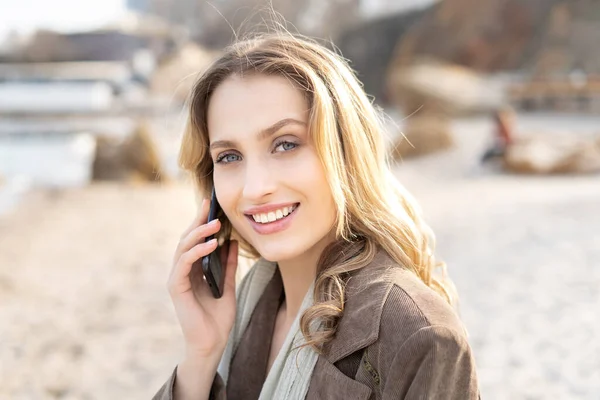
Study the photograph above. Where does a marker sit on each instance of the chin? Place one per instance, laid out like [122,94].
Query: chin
[285,246]
[275,252]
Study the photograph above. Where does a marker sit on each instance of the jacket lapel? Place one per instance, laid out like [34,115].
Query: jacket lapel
[366,292]
[329,383]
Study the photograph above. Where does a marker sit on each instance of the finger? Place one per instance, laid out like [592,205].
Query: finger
[197,235]
[181,276]
[179,280]
[200,219]
[231,268]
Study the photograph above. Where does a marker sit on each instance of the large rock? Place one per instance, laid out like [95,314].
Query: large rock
[134,158]
[436,87]
[562,155]
[541,36]
[423,134]
[370,47]
[570,40]
[486,35]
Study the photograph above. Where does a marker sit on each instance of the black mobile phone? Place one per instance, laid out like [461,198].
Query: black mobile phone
[213,264]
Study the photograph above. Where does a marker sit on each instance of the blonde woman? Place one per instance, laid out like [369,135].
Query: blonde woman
[343,301]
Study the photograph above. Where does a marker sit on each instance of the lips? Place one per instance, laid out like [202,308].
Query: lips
[272,216]
[275,220]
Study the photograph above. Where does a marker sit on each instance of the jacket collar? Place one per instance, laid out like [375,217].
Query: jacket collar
[366,293]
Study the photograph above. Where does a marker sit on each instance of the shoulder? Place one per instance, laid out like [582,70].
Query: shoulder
[406,307]
[410,338]
[422,344]
[411,307]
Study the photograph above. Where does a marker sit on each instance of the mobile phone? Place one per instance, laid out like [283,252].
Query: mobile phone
[213,264]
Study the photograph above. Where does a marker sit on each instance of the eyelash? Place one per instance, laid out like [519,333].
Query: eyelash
[279,143]
[221,157]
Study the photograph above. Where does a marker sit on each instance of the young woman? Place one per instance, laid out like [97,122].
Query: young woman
[343,302]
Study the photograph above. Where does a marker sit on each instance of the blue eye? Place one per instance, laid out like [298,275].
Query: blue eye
[285,145]
[227,158]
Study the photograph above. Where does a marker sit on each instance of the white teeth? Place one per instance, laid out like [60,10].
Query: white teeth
[273,215]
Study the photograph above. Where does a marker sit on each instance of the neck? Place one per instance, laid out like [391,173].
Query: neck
[297,275]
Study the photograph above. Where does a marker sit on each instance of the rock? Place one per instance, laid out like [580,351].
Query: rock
[543,37]
[430,103]
[423,134]
[559,155]
[484,35]
[542,152]
[455,90]
[135,158]
[570,39]
[370,47]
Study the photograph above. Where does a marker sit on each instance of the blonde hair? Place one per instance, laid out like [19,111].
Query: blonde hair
[373,209]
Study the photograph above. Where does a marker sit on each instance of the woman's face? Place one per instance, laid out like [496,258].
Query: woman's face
[267,174]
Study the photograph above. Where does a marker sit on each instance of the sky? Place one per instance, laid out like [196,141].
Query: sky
[63,15]
[26,16]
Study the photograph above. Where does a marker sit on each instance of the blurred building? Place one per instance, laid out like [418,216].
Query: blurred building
[215,24]
[186,13]
[379,8]
[139,5]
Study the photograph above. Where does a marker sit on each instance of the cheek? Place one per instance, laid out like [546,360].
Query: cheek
[309,177]
[322,192]
[226,193]
[229,185]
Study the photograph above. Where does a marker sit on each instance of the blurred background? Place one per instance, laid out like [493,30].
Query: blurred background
[493,111]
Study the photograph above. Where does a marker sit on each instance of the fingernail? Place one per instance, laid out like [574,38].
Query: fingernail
[213,222]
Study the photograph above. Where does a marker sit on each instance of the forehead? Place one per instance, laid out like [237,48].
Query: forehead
[240,106]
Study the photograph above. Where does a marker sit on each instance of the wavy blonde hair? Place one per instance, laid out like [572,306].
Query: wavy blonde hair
[373,209]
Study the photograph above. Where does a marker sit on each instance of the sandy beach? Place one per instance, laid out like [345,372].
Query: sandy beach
[85,314]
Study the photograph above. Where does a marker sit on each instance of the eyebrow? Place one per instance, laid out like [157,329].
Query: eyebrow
[262,135]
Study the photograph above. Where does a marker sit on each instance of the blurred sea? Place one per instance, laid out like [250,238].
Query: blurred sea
[58,152]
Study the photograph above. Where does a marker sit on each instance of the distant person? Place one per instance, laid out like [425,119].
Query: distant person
[544,153]
[344,301]
[503,134]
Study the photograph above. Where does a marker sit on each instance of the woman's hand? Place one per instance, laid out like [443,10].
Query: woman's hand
[205,321]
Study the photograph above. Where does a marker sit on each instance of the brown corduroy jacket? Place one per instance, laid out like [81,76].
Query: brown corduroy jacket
[397,339]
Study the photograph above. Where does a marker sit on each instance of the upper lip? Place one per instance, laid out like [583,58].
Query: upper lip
[267,208]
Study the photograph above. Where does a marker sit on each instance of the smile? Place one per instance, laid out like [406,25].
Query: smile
[272,220]
[275,215]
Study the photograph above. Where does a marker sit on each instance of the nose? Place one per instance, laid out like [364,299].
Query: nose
[259,183]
